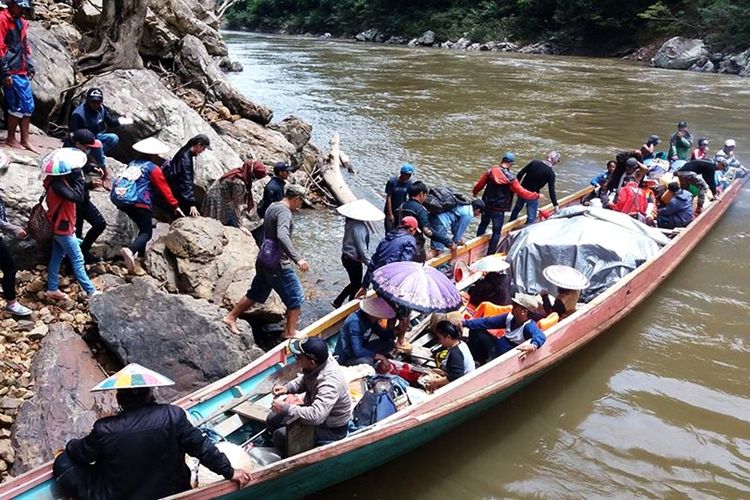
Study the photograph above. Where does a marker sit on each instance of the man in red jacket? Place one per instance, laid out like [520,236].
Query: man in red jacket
[16,71]
[500,185]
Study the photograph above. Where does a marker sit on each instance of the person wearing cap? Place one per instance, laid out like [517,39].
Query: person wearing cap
[632,199]
[65,189]
[397,246]
[17,71]
[628,165]
[232,193]
[533,177]
[726,153]
[680,143]
[362,339]
[413,208]
[648,149]
[701,152]
[180,173]
[327,405]
[454,221]
[84,140]
[133,190]
[499,185]
[273,191]
[92,115]
[8,266]
[678,212]
[518,325]
[396,193]
[355,250]
[140,452]
[278,227]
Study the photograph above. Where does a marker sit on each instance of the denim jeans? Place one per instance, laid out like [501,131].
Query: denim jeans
[497,218]
[109,141]
[532,207]
[283,280]
[456,221]
[62,246]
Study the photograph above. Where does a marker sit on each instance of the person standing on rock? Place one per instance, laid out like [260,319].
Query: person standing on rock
[355,251]
[132,194]
[84,140]
[8,267]
[92,115]
[396,193]
[65,189]
[140,452]
[273,267]
[272,192]
[17,71]
[180,173]
[227,196]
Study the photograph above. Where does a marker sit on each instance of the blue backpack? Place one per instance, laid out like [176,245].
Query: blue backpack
[384,396]
[128,188]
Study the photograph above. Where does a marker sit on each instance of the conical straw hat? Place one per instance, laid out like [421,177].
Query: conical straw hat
[566,277]
[151,146]
[377,308]
[361,210]
[133,376]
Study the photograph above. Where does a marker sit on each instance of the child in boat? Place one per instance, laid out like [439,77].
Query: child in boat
[519,327]
[458,362]
[602,178]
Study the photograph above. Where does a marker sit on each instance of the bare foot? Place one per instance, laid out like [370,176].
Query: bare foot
[12,143]
[29,147]
[291,336]
[232,324]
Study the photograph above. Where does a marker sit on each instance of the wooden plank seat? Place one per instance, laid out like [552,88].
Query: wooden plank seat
[252,411]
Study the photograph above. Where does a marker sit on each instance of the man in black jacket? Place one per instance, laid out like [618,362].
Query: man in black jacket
[139,453]
[273,191]
[533,177]
[413,207]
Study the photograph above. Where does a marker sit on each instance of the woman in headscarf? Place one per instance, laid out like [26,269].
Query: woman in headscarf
[226,197]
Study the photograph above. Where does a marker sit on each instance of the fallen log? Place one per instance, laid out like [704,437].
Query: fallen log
[330,169]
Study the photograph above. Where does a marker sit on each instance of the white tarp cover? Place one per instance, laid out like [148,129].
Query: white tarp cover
[602,244]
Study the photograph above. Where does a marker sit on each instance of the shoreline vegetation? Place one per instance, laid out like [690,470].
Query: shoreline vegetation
[710,36]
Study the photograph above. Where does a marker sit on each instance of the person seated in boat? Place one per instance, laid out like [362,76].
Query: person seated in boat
[140,452]
[632,199]
[602,178]
[458,361]
[326,405]
[726,154]
[397,246]
[678,212]
[697,187]
[569,282]
[493,287]
[363,340]
[680,143]
[648,149]
[705,168]
[701,152]
[519,327]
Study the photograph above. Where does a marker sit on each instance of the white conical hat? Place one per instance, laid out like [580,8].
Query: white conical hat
[151,146]
[133,376]
[566,277]
[361,210]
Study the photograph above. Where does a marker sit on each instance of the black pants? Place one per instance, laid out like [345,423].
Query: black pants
[323,434]
[75,480]
[258,235]
[354,270]
[142,218]
[8,267]
[88,212]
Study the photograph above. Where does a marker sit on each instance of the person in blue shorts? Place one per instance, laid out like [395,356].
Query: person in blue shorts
[16,71]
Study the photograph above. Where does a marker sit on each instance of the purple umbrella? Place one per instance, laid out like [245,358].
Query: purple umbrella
[416,286]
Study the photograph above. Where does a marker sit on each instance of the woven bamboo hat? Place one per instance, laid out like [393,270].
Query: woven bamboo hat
[151,146]
[566,277]
[361,210]
[377,308]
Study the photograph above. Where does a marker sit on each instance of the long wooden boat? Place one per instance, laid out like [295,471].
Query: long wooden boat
[433,414]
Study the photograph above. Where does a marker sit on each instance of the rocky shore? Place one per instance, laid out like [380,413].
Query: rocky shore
[167,316]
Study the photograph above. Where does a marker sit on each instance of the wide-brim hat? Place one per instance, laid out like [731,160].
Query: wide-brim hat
[566,277]
[361,210]
[377,307]
[494,263]
[151,146]
[133,376]
[62,161]
[529,302]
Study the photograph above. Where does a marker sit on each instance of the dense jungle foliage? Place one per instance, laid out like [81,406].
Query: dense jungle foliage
[580,25]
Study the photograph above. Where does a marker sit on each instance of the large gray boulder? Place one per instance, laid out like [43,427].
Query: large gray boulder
[63,408]
[295,130]
[195,65]
[680,53]
[427,39]
[158,112]
[252,140]
[200,257]
[188,17]
[54,73]
[177,335]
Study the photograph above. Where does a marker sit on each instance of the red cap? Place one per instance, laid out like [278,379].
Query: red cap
[410,222]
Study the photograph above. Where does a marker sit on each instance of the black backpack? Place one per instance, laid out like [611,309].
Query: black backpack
[442,199]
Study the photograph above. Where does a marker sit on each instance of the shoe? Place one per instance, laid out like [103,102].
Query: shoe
[95,293]
[129,258]
[57,295]
[17,309]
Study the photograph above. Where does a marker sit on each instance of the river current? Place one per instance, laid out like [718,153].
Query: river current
[657,406]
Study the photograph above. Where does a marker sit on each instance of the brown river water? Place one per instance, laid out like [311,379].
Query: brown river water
[658,406]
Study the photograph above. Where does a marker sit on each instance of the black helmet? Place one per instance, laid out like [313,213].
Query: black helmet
[682,124]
